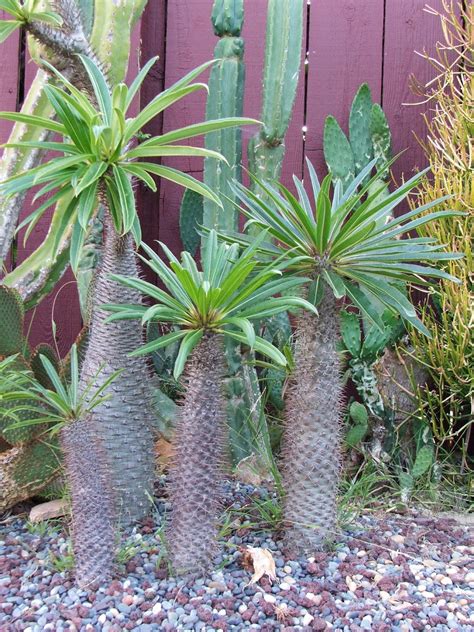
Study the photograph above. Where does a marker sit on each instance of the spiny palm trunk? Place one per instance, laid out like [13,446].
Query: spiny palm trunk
[200,444]
[310,448]
[124,421]
[92,503]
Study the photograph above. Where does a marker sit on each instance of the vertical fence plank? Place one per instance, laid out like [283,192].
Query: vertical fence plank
[9,80]
[9,77]
[153,33]
[407,29]
[345,50]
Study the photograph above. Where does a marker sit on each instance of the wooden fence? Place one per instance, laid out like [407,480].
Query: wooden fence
[347,42]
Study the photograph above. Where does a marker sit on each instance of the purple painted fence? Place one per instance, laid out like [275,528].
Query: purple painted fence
[348,42]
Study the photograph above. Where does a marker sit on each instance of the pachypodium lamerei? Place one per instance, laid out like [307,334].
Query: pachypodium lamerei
[99,167]
[75,27]
[226,93]
[341,245]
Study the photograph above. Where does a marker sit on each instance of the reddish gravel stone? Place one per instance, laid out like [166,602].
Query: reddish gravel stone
[318,624]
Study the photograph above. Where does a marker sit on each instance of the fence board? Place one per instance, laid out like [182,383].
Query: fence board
[9,76]
[407,29]
[153,31]
[345,50]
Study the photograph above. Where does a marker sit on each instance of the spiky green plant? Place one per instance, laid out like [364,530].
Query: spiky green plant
[97,160]
[101,30]
[341,246]
[207,306]
[68,411]
[284,28]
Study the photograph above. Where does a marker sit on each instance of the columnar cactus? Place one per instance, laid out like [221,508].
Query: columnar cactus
[280,81]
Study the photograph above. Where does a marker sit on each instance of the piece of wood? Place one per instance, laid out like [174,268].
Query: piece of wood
[153,31]
[9,77]
[345,50]
[408,28]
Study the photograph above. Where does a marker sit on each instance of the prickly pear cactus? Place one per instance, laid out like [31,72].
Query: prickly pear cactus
[11,316]
[28,461]
[369,137]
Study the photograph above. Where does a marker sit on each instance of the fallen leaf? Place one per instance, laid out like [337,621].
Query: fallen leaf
[261,562]
[282,613]
[253,471]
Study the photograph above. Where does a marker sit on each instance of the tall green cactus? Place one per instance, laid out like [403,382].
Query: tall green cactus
[280,81]
[369,137]
[226,92]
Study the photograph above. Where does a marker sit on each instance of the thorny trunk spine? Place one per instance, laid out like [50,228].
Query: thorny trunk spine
[124,422]
[91,492]
[200,455]
[311,440]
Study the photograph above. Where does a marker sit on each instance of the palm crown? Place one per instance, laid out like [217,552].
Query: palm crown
[224,297]
[98,156]
[347,243]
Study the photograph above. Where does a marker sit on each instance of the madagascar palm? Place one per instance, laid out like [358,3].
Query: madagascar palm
[205,307]
[351,253]
[97,159]
[67,411]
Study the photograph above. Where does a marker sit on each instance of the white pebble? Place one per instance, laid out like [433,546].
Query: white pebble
[469,579]
[156,608]
[287,569]
[307,619]
[102,618]
[269,598]
[285,586]
[242,608]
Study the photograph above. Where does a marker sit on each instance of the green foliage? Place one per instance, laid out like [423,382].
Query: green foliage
[448,356]
[23,13]
[96,156]
[223,298]
[341,244]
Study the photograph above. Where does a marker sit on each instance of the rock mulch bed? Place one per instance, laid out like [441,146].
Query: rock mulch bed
[386,573]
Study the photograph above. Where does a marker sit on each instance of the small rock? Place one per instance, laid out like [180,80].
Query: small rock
[46,511]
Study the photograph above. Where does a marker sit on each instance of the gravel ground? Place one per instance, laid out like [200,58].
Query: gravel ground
[386,573]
